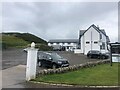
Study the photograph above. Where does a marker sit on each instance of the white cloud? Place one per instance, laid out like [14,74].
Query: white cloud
[110,24]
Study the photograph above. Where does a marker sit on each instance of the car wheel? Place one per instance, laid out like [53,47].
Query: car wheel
[39,64]
[99,57]
[54,66]
[90,56]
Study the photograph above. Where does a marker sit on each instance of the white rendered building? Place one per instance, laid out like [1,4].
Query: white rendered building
[93,39]
[68,44]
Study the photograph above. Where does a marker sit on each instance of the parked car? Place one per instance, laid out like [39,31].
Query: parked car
[51,60]
[97,54]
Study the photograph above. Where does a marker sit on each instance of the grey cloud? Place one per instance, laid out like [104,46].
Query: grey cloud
[53,20]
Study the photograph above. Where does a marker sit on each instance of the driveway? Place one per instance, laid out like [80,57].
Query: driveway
[13,57]
[14,77]
[76,58]
[14,63]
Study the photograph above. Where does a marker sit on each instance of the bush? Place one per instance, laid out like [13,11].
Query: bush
[43,47]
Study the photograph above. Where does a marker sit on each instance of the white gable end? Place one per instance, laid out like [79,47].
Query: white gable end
[91,40]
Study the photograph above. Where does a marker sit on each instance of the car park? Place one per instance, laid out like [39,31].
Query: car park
[97,54]
[51,60]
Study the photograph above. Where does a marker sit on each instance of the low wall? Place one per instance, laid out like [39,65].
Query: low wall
[77,51]
[71,68]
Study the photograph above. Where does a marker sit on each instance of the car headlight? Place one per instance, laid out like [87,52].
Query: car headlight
[59,62]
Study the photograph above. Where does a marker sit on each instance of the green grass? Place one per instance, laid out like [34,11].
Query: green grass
[99,75]
[27,37]
[13,41]
[24,40]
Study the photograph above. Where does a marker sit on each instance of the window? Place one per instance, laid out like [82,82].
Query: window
[116,49]
[100,36]
[57,43]
[87,42]
[67,47]
[95,42]
[102,46]
[69,43]
[48,57]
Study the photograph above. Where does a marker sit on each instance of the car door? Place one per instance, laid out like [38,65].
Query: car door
[48,61]
[41,58]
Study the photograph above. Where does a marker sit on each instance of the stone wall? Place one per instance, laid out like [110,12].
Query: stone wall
[71,68]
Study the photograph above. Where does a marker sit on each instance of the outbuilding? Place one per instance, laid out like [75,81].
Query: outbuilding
[66,44]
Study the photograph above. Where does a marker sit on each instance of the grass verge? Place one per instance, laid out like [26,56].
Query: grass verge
[101,75]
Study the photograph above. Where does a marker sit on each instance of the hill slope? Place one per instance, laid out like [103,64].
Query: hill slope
[11,41]
[22,40]
[27,37]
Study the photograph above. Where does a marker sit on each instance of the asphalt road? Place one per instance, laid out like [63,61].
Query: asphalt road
[14,57]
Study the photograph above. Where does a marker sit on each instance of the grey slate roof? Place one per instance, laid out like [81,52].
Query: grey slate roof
[108,39]
[82,32]
[64,41]
[103,31]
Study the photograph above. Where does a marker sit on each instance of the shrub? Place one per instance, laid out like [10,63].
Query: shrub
[43,47]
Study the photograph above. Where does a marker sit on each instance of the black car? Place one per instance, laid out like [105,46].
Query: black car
[97,54]
[51,60]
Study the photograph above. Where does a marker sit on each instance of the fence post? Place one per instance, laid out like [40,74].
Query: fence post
[31,62]
[110,55]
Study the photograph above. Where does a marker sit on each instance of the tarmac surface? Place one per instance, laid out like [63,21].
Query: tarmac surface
[14,68]
[14,77]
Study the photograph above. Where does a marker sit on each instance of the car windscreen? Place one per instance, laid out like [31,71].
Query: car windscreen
[56,56]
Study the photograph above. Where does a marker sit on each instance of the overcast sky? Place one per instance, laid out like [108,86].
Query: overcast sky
[54,20]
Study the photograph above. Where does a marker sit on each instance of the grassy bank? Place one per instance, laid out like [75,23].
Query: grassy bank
[22,40]
[99,75]
[11,41]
